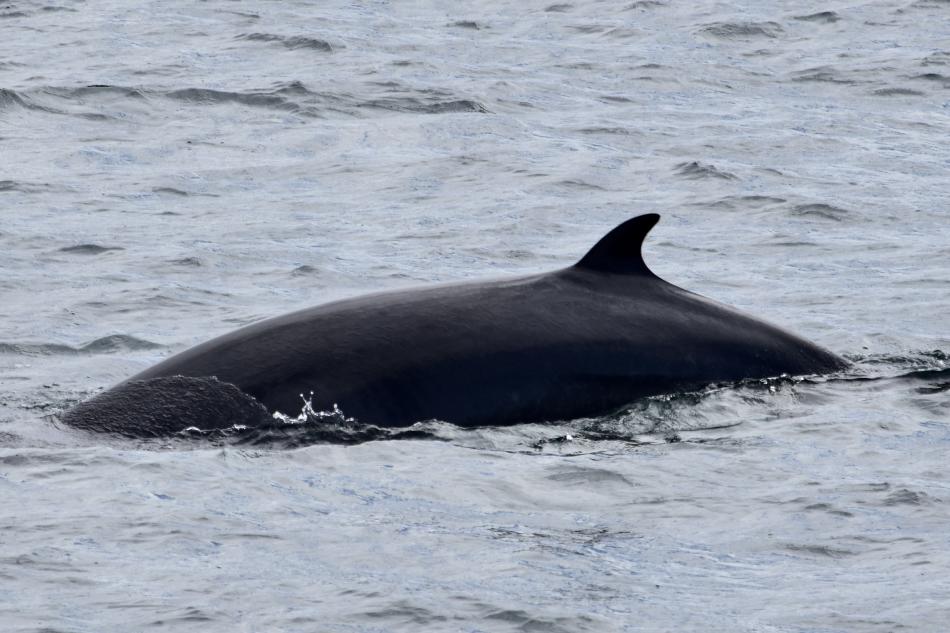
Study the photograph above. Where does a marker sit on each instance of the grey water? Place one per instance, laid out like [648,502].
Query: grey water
[172,170]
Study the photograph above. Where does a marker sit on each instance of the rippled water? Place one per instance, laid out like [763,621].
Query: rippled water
[172,170]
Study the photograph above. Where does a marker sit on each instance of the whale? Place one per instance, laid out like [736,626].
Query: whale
[581,341]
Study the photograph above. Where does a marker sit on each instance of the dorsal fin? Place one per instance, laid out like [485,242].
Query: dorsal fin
[619,251]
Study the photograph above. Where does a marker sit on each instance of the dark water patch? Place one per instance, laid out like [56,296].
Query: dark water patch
[644,4]
[820,210]
[559,8]
[56,9]
[291,42]
[105,345]
[695,170]
[89,249]
[12,14]
[898,92]
[742,30]
[822,17]
[467,24]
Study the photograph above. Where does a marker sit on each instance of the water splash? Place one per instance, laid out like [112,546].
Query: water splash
[309,415]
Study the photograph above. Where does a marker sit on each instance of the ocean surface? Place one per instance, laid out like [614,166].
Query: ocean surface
[172,170]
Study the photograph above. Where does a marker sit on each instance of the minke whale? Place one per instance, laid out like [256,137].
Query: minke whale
[581,341]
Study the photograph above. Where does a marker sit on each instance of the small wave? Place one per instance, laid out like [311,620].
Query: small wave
[105,345]
[905,496]
[820,550]
[95,90]
[467,24]
[304,270]
[824,17]
[927,372]
[558,8]
[187,261]
[939,58]
[293,97]
[580,185]
[935,77]
[171,191]
[695,170]
[11,98]
[742,30]
[292,42]
[898,92]
[69,96]
[89,249]
[644,4]
[619,131]
[822,74]
[733,203]
[820,210]
[420,106]
[209,96]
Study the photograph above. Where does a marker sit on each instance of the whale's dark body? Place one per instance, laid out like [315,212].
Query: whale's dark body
[580,341]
